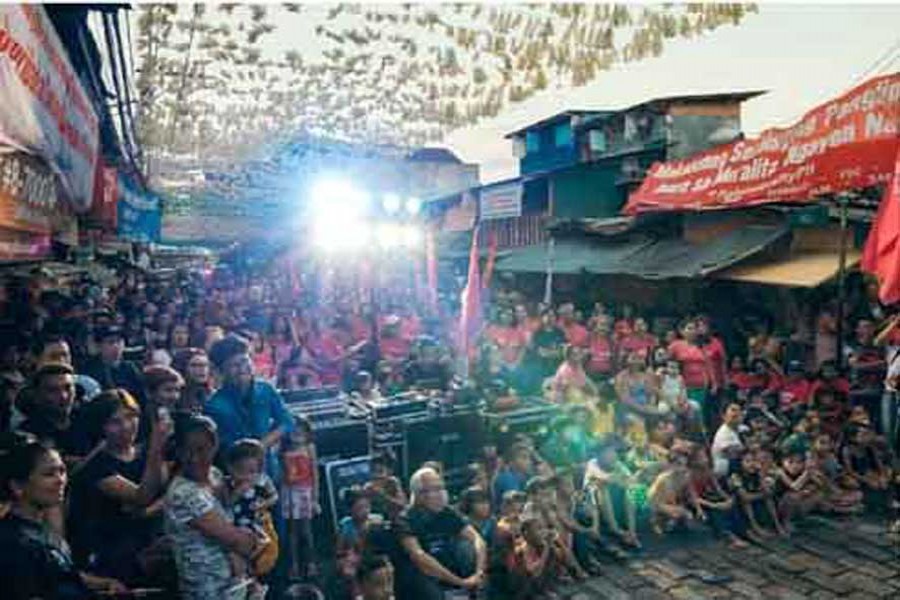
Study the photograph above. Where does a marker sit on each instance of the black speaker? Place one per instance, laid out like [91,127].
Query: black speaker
[341,439]
[453,440]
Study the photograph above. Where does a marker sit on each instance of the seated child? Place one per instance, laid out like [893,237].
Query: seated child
[670,495]
[541,501]
[860,457]
[475,504]
[536,563]
[712,503]
[798,491]
[754,491]
[384,489]
[251,495]
[352,532]
[506,535]
[375,579]
[842,494]
[607,487]
[570,515]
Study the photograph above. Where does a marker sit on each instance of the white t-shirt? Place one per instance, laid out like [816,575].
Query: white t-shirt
[725,438]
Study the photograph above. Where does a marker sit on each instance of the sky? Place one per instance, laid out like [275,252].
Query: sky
[803,54]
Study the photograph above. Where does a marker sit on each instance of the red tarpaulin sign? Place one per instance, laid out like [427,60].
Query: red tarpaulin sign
[849,142]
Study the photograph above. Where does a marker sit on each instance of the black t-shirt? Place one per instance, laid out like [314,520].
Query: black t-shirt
[124,375]
[103,526]
[547,339]
[71,441]
[35,563]
[436,532]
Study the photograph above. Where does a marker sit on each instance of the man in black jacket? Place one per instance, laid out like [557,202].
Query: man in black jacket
[109,369]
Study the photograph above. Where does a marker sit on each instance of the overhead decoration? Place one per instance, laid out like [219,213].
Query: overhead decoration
[220,80]
[848,142]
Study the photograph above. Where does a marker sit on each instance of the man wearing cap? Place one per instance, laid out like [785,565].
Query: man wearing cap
[109,369]
[245,407]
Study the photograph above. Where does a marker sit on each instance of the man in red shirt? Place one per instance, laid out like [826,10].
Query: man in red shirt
[796,392]
[600,346]
[576,333]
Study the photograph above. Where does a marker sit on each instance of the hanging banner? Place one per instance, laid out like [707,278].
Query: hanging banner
[501,202]
[137,214]
[849,142]
[43,108]
[31,213]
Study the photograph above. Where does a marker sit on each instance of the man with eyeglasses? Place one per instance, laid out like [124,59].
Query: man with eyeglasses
[441,550]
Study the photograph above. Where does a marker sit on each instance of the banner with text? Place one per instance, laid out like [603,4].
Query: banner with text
[43,108]
[849,142]
[138,214]
[501,202]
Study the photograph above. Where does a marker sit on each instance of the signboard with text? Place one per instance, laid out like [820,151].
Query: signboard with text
[501,202]
[849,142]
[137,215]
[43,108]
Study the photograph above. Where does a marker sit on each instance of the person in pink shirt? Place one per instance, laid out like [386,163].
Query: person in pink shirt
[640,340]
[576,334]
[510,340]
[571,383]
[695,369]
[528,325]
[624,326]
[601,363]
[715,352]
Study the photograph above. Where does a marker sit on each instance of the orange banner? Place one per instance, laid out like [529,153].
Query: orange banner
[849,142]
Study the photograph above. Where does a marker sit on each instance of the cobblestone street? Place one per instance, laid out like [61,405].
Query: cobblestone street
[824,559]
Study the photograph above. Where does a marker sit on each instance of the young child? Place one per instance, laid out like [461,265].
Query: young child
[475,504]
[569,506]
[375,579]
[506,535]
[842,494]
[712,503]
[352,531]
[607,486]
[535,563]
[671,495]
[861,460]
[798,491]
[251,494]
[300,496]
[754,492]
[384,489]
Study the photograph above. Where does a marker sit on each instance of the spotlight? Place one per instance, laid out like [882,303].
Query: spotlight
[391,203]
[413,205]
[412,237]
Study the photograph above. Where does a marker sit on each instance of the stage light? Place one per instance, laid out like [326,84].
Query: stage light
[339,199]
[412,237]
[413,205]
[389,235]
[391,203]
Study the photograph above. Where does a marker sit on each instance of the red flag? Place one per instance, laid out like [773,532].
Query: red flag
[492,256]
[431,269]
[470,313]
[881,255]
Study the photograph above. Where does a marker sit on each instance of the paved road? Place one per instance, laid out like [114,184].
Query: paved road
[825,558]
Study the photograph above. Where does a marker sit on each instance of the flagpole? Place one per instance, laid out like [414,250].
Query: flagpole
[843,201]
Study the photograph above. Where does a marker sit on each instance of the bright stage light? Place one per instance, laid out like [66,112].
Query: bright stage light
[341,236]
[413,205]
[391,203]
[412,237]
[393,235]
[339,199]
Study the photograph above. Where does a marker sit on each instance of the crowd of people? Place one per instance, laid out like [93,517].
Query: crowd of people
[146,444]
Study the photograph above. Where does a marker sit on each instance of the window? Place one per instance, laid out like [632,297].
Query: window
[597,140]
[563,135]
[532,142]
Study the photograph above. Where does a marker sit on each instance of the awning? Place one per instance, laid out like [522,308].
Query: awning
[572,256]
[643,256]
[806,268]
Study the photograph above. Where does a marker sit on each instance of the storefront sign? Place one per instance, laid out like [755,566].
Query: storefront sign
[849,142]
[43,108]
[501,202]
[138,215]
[30,211]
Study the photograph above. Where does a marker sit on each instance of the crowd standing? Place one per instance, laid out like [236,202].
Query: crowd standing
[146,444]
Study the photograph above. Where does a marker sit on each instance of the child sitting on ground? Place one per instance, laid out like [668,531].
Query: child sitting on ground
[352,532]
[251,495]
[842,494]
[670,495]
[536,562]
[860,457]
[375,579]
[475,504]
[754,492]
[798,491]
[712,503]
[607,487]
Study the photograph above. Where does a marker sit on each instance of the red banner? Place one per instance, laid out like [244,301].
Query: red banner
[847,143]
